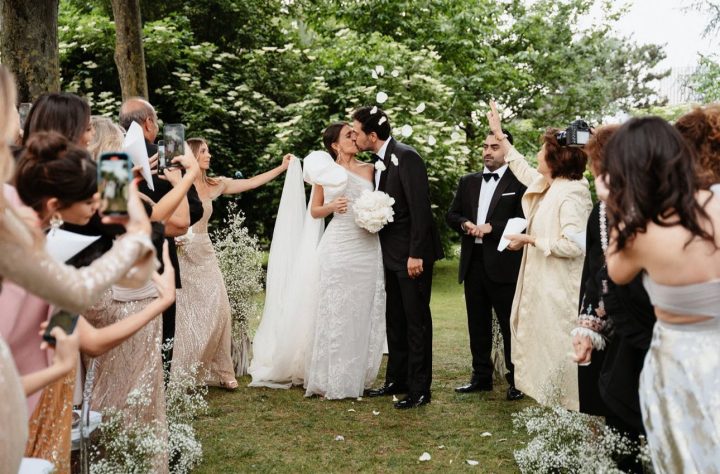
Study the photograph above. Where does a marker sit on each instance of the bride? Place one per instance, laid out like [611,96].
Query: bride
[323,324]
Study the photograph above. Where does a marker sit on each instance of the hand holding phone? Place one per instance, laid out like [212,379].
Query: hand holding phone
[173,141]
[63,320]
[114,177]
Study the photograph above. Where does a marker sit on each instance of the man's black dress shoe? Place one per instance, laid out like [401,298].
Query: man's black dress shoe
[475,386]
[413,401]
[390,388]
[514,394]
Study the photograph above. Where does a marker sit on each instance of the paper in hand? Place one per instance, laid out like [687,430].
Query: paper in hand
[63,245]
[134,146]
[514,226]
[579,238]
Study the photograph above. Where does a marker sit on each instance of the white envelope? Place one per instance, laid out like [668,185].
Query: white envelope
[514,226]
[134,146]
[63,245]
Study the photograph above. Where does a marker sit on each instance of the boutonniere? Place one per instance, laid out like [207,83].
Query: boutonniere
[380,166]
[394,159]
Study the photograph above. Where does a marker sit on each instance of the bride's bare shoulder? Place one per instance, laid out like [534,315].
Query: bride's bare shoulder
[365,168]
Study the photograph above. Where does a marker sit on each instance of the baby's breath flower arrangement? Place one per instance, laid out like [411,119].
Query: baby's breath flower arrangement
[185,400]
[240,261]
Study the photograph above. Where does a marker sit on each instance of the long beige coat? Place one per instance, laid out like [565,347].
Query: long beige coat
[545,306]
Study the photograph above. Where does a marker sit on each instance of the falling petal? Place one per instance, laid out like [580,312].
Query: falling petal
[395,73]
[382,120]
[406,131]
[425,457]
[486,434]
[376,413]
[420,108]
[431,140]
[380,70]
[381,97]
[339,438]
[373,111]
[374,74]
[472,462]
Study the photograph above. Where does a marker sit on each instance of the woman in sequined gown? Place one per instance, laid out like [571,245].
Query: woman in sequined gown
[203,327]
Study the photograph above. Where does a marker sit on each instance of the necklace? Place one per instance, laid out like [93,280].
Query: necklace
[604,244]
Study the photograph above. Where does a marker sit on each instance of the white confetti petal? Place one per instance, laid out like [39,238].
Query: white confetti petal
[431,140]
[442,446]
[394,159]
[502,439]
[406,131]
[382,120]
[359,399]
[374,74]
[455,136]
[380,70]
[472,462]
[339,438]
[395,73]
[425,457]
[486,434]
[351,409]
[420,108]
[373,111]
[376,413]
[395,399]
[381,97]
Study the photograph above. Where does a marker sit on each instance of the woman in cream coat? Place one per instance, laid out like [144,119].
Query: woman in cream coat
[557,205]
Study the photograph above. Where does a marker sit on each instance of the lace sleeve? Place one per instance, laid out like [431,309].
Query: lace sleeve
[32,268]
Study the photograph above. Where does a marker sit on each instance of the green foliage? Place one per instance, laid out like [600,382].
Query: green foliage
[705,82]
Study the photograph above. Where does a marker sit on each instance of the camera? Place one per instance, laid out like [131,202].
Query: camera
[576,135]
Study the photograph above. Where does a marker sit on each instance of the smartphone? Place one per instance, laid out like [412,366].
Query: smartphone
[114,176]
[174,140]
[23,111]
[64,320]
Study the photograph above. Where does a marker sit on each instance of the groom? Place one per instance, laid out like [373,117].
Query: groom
[410,246]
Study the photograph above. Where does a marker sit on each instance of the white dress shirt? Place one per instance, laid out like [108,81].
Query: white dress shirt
[487,189]
[381,153]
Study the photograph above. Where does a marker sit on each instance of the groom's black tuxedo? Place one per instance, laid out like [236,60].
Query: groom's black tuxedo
[412,233]
[490,276]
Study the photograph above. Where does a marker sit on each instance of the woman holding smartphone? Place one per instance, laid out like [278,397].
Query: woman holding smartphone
[203,326]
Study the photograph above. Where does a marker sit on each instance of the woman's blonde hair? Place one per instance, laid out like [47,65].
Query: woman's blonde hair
[195,144]
[108,136]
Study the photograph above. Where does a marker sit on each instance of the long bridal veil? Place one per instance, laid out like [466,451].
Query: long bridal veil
[284,336]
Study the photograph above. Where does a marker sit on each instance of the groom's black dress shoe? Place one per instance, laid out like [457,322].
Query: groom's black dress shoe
[475,385]
[514,394]
[413,401]
[390,388]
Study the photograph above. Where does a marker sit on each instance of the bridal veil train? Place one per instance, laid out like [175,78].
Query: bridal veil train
[323,324]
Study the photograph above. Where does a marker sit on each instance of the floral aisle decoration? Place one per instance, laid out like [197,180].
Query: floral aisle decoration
[373,210]
[240,262]
[185,401]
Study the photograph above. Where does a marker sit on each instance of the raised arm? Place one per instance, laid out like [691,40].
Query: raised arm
[236,186]
[522,170]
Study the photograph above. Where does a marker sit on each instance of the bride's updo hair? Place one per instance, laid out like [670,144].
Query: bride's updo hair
[332,135]
[52,166]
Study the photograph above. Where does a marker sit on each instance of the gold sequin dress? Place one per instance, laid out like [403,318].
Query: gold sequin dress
[203,327]
[133,367]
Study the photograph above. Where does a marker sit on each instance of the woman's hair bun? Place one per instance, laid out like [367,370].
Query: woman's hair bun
[46,146]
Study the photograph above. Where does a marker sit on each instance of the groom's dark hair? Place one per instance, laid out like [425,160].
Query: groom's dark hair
[371,119]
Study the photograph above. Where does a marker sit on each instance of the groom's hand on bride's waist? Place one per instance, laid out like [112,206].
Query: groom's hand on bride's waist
[415,267]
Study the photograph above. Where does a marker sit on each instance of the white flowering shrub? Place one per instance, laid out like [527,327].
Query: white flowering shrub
[565,441]
[185,400]
[240,261]
[373,210]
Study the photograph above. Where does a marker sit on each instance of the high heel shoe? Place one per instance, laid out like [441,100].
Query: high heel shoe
[229,384]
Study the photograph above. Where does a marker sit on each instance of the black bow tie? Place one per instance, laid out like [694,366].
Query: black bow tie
[375,158]
[487,176]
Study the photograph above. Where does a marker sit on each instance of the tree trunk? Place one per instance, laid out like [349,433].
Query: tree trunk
[29,45]
[129,54]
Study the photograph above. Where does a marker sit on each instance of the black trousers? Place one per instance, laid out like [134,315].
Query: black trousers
[482,295]
[168,333]
[409,329]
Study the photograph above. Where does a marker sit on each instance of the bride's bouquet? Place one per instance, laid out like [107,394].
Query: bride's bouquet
[373,210]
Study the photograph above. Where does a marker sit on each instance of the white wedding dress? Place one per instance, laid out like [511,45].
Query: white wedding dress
[324,320]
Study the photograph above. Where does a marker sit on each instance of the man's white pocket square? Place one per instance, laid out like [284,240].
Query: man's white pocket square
[508,194]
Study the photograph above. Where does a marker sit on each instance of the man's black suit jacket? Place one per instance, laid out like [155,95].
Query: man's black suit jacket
[413,232]
[501,267]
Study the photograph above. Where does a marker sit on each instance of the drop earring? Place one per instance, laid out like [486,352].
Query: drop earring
[56,222]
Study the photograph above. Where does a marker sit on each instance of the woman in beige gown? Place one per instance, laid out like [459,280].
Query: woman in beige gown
[203,326]
[557,205]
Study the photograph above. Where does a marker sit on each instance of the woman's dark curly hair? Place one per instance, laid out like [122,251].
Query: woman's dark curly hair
[652,178]
[563,161]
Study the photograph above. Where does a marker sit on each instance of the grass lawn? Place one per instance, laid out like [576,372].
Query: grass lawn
[257,429]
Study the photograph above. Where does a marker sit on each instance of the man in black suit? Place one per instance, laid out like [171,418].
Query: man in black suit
[410,246]
[482,206]
[190,210]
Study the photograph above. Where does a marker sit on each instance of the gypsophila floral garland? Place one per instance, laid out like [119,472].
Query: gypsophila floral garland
[566,441]
[240,262]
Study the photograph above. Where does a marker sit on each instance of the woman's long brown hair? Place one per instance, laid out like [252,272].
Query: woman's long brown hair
[652,178]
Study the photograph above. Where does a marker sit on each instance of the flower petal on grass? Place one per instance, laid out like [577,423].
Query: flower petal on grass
[376,412]
[442,446]
[472,462]
[425,457]
[485,434]
[351,409]
[339,438]
[395,399]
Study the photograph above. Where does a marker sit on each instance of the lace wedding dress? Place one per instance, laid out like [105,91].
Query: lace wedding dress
[330,331]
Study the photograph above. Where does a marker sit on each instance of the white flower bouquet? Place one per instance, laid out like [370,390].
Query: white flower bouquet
[373,210]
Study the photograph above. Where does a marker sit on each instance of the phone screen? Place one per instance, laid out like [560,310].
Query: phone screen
[62,319]
[174,138]
[114,175]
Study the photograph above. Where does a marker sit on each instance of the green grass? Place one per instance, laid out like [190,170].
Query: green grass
[265,430]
